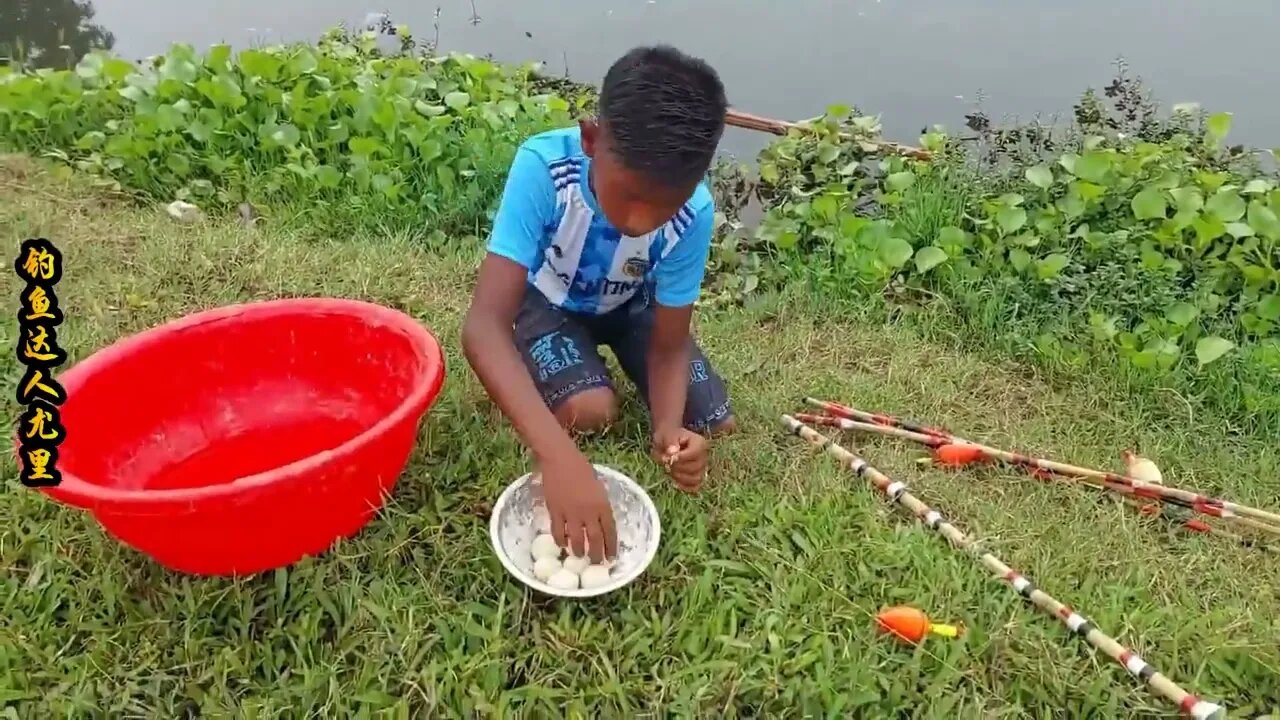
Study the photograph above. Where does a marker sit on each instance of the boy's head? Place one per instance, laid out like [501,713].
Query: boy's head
[661,117]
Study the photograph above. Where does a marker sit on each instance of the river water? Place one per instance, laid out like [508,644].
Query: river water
[915,62]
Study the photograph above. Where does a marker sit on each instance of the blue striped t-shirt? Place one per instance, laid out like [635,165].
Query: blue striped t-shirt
[550,223]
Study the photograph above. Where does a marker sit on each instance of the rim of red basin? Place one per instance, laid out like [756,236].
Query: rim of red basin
[75,491]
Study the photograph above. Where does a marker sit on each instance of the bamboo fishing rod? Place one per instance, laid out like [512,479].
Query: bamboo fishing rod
[1128,493]
[747,121]
[898,493]
[1203,504]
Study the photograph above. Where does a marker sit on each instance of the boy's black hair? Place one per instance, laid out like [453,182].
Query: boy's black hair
[664,113]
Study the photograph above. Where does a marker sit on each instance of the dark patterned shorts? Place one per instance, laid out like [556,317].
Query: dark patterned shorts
[561,351]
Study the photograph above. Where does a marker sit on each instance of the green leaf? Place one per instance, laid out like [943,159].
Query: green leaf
[1239,230]
[1152,259]
[1188,199]
[218,56]
[1051,266]
[427,109]
[1269,307]
[1226,205]
[446,176]
[328,176]
[286,135]
[1218,125]
[1256,187]
[828,152]
[1149,204]
[826,207]
[895,251]
[259,63]
[929,257]
[900,181]
[92,139]
[1093,166]
[1212,348]
[180,69]
[1040,176]
[303,62]
[1019,259]
[1181,313]
[952,237]
[457,100]
[116,69]
[90,66]
[1263,220]
[364,145]
[1089,191]
[178,163]
[1208,228]
[1011,219]
[1072,205]
[1255,275]
[786,240]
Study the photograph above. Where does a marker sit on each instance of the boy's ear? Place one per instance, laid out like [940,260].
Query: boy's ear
[590,134]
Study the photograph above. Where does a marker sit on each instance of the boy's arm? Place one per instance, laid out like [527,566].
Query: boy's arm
[490,349]
[528,202]
[575,499]
[679,282]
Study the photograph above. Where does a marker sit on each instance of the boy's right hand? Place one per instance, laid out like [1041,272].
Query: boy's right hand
[581,517]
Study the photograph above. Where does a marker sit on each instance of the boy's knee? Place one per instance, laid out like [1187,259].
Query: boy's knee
[588,411]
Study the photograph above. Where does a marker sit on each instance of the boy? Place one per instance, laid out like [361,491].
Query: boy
[602,238]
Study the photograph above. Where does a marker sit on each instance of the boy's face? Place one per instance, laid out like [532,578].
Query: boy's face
[632,202]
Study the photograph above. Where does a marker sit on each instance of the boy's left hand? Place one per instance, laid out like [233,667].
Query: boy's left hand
[684,455]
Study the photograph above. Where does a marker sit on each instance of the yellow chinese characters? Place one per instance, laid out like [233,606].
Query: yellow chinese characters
[40,430]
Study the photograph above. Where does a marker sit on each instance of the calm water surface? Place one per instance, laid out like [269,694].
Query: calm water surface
[916,62]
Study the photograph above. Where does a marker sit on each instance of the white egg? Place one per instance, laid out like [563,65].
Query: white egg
[563,580]
[576,564]
[595,576]
[544,568]
[544,546]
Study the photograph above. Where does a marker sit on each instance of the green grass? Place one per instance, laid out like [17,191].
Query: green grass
[759,602]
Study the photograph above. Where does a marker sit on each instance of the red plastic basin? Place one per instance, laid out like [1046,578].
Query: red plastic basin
[244,438]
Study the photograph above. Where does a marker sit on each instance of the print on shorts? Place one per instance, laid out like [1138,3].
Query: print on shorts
[697,372]
[553,353]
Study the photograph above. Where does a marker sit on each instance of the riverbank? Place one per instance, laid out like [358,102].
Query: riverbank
[1051,294]
[1132,239]
[759,600]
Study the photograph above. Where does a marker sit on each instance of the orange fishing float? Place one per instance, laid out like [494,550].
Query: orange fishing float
[956,454]
[911,625]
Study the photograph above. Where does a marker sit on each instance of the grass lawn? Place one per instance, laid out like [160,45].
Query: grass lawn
[760,599]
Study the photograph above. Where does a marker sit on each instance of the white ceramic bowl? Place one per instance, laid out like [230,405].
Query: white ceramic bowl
[512,529]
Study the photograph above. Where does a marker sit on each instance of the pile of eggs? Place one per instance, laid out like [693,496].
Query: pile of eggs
[565,571]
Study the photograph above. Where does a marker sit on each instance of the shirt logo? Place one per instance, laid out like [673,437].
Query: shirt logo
[635,267]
